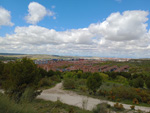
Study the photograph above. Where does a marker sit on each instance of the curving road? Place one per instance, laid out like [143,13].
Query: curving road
[74,99]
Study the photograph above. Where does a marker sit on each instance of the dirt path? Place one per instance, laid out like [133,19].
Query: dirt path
[74,99]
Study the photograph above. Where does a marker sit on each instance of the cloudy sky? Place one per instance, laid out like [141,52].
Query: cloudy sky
[104,28]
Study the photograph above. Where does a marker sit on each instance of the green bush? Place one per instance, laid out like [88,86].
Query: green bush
[55,78]
[45,82]
[101,108]
[104,76]
[81,82]
[69,83]
[125,92]
[29,95]
[147,82]
[138,82]
[121,79]
[94,82]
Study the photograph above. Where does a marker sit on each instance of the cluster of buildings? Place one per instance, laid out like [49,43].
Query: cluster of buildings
[79,64]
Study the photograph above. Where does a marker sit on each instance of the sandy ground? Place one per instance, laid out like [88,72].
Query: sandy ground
[72,98]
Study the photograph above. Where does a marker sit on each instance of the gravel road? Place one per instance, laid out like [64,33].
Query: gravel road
[74,99]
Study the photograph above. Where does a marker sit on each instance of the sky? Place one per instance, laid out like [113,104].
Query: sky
[103,28]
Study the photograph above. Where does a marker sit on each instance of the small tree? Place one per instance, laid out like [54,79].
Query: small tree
[147,82]
[138,82]
[94,82]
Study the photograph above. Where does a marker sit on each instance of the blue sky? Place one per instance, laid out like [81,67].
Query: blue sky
[75,20]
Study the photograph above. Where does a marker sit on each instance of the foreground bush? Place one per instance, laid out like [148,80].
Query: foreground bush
[8,106]
[21,75]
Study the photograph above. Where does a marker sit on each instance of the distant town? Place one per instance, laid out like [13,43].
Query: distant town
[86,65]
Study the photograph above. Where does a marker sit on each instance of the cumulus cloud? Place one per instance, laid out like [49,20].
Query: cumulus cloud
[120,35]
[130,25]
[5,17]
[36,12]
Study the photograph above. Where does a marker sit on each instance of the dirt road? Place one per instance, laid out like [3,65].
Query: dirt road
[74,99]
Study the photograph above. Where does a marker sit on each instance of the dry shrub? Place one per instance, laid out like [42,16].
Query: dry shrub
[118,106]
[132,107]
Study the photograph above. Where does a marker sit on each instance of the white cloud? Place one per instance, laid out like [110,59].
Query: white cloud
[5,17]
[37,12]
[120,35]
[127,26]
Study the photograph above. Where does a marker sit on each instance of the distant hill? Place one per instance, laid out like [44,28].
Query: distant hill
[11,54]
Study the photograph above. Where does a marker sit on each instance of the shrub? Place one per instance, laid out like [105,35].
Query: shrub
[101,108]
[118,106]
[69,83]
[9,106]
[121,79]
[55,78]
[83,88]
[104,76]
[138,82]
[81,82]
[135,101]
[45,82]
[94,82]
[29,95]
[132,107]
[124,92]
[147,82]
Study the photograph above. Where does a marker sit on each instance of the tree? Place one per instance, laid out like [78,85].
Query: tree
[138,82]
[1,71]
[22,74]
[79,74]
[50,73]
[104,76]
[94,82]
[43,72]
[147,82]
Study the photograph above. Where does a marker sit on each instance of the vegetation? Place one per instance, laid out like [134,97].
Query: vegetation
[7,58]
[20,76]
[9,106]
[22,80]
[101,108]
[36,106]
[69,83]
[94,82]
[147,82]
[23,76]
[119,87]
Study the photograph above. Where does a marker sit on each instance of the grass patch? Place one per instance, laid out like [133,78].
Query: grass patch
[9,106]
[43,106]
